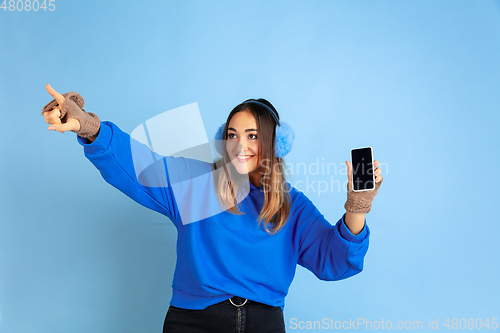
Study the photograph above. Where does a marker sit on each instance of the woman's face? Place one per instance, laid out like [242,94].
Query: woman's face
[243,145]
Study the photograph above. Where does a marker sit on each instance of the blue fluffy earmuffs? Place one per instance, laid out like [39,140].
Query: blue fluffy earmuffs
[284,135]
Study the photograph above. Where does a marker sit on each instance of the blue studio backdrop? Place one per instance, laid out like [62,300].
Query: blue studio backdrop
[419,81]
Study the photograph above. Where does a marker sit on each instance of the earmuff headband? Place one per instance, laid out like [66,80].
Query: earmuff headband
[266,107]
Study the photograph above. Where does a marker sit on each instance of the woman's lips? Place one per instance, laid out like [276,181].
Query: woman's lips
[244,160]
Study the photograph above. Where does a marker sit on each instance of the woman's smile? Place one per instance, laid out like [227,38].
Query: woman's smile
[244,158]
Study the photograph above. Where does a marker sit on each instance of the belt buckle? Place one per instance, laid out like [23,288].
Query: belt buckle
[238,305]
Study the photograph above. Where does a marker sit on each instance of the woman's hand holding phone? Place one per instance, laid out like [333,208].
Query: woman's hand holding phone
[377,173]
[359,203]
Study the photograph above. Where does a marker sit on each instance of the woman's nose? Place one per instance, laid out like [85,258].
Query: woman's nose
[243,144]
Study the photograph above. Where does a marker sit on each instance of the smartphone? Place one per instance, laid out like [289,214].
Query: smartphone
[363,175]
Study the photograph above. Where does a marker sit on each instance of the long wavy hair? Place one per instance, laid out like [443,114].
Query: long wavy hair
[276,208]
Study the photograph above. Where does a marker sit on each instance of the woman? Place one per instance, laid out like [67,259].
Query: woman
[242,229]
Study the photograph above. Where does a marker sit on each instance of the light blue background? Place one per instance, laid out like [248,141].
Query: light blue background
[419,81]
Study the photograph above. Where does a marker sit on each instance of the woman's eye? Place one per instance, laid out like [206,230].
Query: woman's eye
[232,136]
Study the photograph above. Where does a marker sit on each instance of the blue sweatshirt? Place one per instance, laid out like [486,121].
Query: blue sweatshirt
[221,254]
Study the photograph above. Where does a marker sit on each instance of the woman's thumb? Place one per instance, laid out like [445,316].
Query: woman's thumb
[69,126]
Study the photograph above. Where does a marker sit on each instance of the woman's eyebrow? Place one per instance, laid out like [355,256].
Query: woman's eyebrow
[247,130]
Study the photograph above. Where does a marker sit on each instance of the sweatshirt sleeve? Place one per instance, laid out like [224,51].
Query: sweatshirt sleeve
[331,252]
[118,158]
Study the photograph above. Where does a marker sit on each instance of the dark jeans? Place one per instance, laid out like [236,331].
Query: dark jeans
[224,317]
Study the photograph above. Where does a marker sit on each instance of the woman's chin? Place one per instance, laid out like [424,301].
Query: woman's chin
[241,168]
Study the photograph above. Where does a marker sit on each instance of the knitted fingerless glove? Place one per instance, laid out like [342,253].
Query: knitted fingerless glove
[361,202]
[72,108]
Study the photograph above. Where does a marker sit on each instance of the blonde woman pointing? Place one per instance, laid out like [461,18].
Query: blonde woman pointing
[234,268]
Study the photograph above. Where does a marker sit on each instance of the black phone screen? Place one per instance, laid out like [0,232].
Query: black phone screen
[362,169]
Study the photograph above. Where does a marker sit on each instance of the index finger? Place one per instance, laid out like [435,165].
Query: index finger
[57,96]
